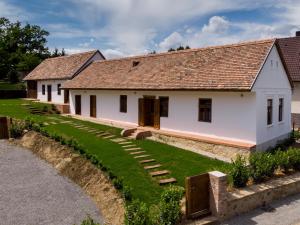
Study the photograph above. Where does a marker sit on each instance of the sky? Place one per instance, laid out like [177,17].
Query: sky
[121,28]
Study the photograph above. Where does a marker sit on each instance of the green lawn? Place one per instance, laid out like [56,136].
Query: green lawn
[4,85]
[179,162]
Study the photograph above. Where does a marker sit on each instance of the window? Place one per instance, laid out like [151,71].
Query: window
[58,89]
[43,89]
[280,110]
[270,112]
[205,109]
[164,106]
[123,103]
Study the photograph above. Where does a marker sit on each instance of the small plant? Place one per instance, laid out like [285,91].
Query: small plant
[16,129]
[89,221]
[118,183]
[137,213]
[239,172]
[294,156]
[126,193]
[282,160]
[169,206]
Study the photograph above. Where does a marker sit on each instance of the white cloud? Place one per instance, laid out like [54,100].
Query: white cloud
[112,53]
[61,30]
[172,41]
[216,25]
[12,12]
[88,43]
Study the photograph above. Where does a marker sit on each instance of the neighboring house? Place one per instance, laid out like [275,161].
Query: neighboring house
[45,81]
[235,93]
[290,50]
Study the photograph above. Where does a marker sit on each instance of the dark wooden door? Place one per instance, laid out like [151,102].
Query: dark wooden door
[141,112]
[78,104]
[149,111]
[4,133]
[156,115]
[93,106]
[32,89]
[66,96]
[49,93]
[197,196]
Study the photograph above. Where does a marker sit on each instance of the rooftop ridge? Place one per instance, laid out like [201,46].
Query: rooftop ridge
[75,54]
[244,43]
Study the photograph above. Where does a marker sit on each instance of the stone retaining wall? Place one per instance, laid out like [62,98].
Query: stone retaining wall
[225,204]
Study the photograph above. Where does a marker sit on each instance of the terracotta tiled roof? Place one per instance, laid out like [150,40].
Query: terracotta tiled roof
[225,67]
[63,67]
[290,51]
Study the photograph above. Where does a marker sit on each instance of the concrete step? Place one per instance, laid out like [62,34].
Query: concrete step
[125,143]
[132,149]
[208,220]
[128,146]
[147,161]
[159,173]
[109,136]
[137,153]
[141,156]
[152,167]
[167,181]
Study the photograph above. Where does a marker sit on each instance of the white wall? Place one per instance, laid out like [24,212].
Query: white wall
[55,97]
[272,83]
[296,98]
[233,114]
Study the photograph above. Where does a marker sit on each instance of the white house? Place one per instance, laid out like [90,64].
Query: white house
[45,81]
[290,51]
[234,93]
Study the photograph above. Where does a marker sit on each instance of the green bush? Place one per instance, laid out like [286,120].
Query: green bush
[16,129]
[262,165]
[137,213]
[239,172]
[126,193]
[118,183]
[294,157]
[169,206]
[89,221]
[282,160]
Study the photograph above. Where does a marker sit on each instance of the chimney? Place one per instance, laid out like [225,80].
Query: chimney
[297,33]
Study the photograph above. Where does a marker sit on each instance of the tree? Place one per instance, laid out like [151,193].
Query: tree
[21,47]
[56,53]
[171,50]
[180,48]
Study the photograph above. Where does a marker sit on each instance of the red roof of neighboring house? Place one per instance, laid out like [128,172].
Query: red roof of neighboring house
[228,67]
[290,51]
[63,67]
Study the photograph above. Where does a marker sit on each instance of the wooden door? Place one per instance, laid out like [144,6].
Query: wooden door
[93,105]
[49,93]
[4,133]
[149,111]
[32,89]
[156,114]
[197,196]
[141,112]
[78,104]
[66,96]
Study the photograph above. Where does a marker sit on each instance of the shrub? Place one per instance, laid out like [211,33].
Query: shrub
[126,193]
[94,160]
[89,221]
[111,175]
[118,183]
[16,129]
[282,160]
[262,165]
[169,206]
[239,172]
[137,213]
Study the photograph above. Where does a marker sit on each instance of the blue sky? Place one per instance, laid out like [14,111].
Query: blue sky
[130,27]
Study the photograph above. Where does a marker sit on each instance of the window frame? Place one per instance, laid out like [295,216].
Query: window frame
[270,113]
[280,109]
[205,106]
[58,89]
[123,103]
[161,107]
[43,89]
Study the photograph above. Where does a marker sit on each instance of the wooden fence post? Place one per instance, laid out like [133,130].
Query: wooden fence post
[4,128]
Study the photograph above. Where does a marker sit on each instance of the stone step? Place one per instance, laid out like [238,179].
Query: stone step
[147,161]
[110,136]
[207,220]
[117,140]
[152,167]
[125,143]
[132,149]
[159,173]
[141,156]
[102,135]
[136,153]
[128,146]
[167,181]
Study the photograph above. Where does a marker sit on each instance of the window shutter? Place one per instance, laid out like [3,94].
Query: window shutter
[156,113]
[141,112]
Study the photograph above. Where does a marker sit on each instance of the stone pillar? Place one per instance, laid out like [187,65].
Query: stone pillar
[218,194]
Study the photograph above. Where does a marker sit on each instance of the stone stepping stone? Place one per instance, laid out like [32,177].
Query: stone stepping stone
[128,146]
[110,136]
[46,124]
[102,135]
[159,173]
[117,140]
[125,143]
[152,167]
[136,153]
[64,122]
[167,181]
[141,156]
[132,149]
[147,161]
[54,123]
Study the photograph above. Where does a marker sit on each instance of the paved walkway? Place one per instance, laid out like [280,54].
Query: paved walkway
[282,212]
[31,192]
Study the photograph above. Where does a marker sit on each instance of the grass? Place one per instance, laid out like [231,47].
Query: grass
[179,162]
[4,85]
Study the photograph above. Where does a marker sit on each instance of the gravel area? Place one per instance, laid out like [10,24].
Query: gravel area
[33,193]
[281,212]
